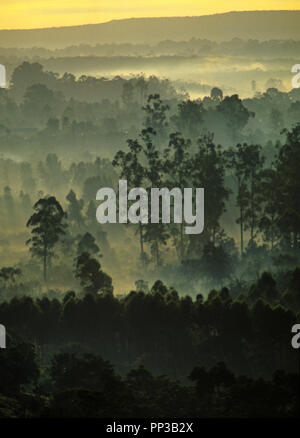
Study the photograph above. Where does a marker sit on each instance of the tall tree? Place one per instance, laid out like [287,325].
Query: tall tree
[155,234]
[268,222]
[254,165]
[177,167]
[236,161]
[156,117]
[288,183]
[132,171]
[48,226]
[208,171]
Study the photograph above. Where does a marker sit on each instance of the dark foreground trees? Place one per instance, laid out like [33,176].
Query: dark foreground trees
[167,333]
[86,386]
[18,367]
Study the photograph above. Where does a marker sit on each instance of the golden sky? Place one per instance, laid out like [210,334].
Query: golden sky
[20,14]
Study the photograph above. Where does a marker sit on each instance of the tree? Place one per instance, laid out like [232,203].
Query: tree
[92,278]
[264,288]
[52,173]
[154,233]
[40,103]
[215,263]
[189,119]
[87,243]
[47,228]
[156,116]
[75,209]
[208,171]
[86,371]
[254,165]
[142,86]
[9,274]
[216,94]
[18,366]
[237,161]
[276,121]
[268,223]
[177,167]
[235,114]
[133,172]
[128,94]
[27,74]
[288,184]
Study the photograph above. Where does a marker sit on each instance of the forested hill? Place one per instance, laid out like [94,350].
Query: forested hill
[262,25]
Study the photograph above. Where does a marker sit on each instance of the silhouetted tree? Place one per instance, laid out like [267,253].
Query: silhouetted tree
[47,228]
[92,278]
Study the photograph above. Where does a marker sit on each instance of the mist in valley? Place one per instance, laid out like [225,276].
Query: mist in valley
[198,111]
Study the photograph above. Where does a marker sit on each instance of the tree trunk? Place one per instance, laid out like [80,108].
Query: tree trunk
[45,262]
[252,211]
[181,242]
[272,233]
[214,236]
[242,230]
[141,243]
[241,217]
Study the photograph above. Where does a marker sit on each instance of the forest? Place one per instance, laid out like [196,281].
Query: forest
[144,320]
[194,66]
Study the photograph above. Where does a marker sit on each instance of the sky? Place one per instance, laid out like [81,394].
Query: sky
[21,14]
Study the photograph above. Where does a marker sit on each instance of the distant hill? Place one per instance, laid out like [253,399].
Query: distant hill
[262,25]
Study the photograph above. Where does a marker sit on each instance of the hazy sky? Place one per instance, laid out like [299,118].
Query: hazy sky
[46,13]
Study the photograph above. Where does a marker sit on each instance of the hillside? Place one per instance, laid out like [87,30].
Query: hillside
[262,25]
